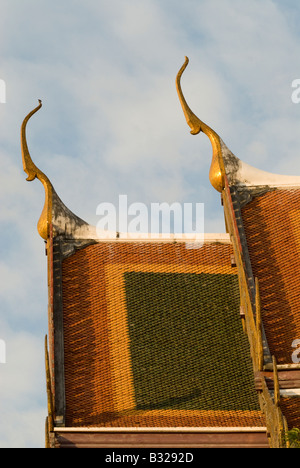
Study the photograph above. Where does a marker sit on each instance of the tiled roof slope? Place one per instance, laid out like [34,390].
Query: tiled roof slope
[272,229]
[153,338]
[267,233]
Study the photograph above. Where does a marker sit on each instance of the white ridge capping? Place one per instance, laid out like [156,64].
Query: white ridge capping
[162,429]
[90,232]
[250,176]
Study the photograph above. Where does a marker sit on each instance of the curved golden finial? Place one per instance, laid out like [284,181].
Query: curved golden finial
[217,171]
[33,172]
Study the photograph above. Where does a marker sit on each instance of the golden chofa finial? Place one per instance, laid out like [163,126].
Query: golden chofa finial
[217,172]
[33,172]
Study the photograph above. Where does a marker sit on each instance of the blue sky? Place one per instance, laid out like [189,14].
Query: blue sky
[111,124]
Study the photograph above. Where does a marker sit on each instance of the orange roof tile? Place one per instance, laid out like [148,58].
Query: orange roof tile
[272,228]
[153,337]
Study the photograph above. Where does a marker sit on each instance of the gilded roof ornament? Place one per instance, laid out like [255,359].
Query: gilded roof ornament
[224,162]
[217,171]
[54,213]
[34,172]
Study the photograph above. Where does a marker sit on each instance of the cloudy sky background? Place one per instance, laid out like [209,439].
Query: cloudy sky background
[111,124]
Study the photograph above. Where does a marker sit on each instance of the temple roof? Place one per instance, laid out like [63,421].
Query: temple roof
[147,333]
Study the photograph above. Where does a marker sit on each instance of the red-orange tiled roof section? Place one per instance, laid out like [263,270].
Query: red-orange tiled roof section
[153,338]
